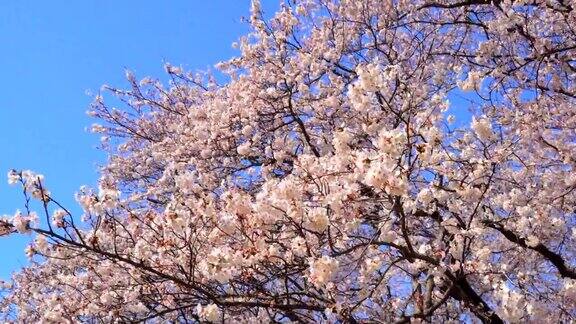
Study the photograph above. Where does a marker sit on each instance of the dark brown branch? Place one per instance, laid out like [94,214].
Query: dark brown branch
[554,258]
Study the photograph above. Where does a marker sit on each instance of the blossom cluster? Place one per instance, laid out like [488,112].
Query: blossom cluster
[327,180]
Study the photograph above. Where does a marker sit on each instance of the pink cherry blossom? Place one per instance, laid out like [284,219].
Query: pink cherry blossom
[326,180]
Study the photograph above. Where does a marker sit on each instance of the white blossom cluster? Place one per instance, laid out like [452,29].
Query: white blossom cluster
[334,177]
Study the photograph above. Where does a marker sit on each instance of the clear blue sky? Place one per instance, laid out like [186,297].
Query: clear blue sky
[52,52]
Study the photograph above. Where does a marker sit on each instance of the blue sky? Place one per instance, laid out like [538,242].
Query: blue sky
[52,52]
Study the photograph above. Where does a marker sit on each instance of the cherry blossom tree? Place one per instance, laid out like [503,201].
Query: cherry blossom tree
[326,180]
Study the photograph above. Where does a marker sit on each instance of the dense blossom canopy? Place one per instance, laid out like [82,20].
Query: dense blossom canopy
[329,178]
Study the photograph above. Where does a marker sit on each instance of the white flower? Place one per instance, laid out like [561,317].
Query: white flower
[146,81]
[482,128]
[513,304]
[29,251]
[525,211]
[227,223]
[106,298]
[532,241]
[5,285]
[298,246]
[209,312]
[386,233]
[13,177]
[397,185]
[569,289]
[370,77]
[341,141]
[391,141]
[372,264]
[317,220]
[41,243]
[173,69]
[425,196]
[244,149]
[187,182]
[58,218]
[473,80]
[376,176]
[21,223]
[97,128]
[322,270]
[469,194]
